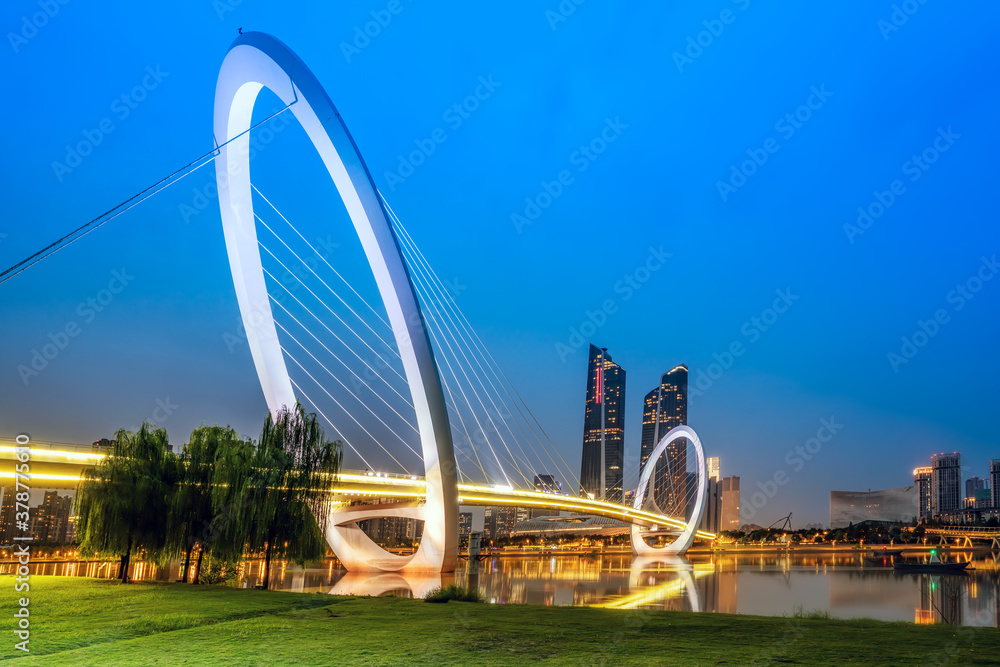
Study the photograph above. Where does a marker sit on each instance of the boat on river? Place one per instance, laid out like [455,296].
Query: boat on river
[934,565]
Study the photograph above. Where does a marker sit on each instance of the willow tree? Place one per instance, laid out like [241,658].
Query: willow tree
[123,502]
[192,511]
[271,495]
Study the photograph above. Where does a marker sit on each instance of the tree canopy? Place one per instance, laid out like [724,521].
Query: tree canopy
[123,503]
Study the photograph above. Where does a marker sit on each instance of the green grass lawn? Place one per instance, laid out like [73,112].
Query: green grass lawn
[77,621]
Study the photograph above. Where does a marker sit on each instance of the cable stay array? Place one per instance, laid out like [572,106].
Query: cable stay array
[344,365]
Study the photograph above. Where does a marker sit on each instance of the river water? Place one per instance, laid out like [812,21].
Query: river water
[842,585]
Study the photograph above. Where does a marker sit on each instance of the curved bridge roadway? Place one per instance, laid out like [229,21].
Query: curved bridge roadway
[59,466]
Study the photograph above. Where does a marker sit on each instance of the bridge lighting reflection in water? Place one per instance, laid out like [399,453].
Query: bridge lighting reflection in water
[841,585]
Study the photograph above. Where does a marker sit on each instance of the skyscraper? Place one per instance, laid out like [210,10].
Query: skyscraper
[975,488]
[922,480]
[603,428]
[946,483]
[995,483]
[499,522]
[664,408]
[464,525]
[713,503]
[730,504]
[974,484]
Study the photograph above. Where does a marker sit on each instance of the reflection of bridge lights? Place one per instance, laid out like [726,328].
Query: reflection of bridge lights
[664,591]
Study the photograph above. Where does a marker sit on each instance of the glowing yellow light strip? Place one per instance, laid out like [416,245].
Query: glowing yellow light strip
[34,477]
[498,496]
[38,454]
[369,492]
[592,506]
[583,503]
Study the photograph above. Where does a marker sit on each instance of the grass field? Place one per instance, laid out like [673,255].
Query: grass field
[78,621]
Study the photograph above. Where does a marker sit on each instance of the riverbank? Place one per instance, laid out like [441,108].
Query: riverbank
[77,621]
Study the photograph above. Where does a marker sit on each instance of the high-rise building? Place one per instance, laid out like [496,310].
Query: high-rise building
[390,531]
[464,525]
[946,483]
[664,408]
[7,514]
[974,488]
[730,519]
[995,482]
[713,505]
[922,480]
[547,484]
[712,465]
[50,518]
[974,484]
[601,468]
[499,522]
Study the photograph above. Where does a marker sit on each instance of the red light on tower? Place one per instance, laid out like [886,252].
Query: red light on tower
[600,383]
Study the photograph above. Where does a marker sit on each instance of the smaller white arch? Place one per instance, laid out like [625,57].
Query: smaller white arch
[686,538]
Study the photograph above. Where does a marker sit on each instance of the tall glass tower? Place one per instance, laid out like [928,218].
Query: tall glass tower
[995,483]
[922,480]
[664,408]
[603,458]
[946,483]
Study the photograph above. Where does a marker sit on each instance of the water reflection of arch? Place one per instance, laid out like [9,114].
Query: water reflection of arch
[375,584]
[685,580]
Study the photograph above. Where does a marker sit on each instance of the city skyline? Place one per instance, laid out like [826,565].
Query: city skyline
[788,305]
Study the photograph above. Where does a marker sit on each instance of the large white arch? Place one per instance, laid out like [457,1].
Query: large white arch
[256,61]
[686,537]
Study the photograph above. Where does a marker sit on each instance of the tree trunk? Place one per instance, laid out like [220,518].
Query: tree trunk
[267,565]
[197,571]
[187,563]
[123,566]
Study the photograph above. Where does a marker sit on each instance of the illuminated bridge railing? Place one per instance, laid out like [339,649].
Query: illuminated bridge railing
[362,484]
[962,532]
[61,468]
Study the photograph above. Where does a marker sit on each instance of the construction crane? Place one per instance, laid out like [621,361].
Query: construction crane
[786,525]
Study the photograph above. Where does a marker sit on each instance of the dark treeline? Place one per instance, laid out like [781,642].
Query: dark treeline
[223,496]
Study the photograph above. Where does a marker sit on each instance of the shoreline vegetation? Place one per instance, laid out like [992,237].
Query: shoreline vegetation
[78,621]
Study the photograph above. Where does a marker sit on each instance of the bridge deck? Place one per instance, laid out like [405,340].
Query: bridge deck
[59,466]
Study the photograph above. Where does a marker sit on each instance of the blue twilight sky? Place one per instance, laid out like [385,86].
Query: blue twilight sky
[691,94]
